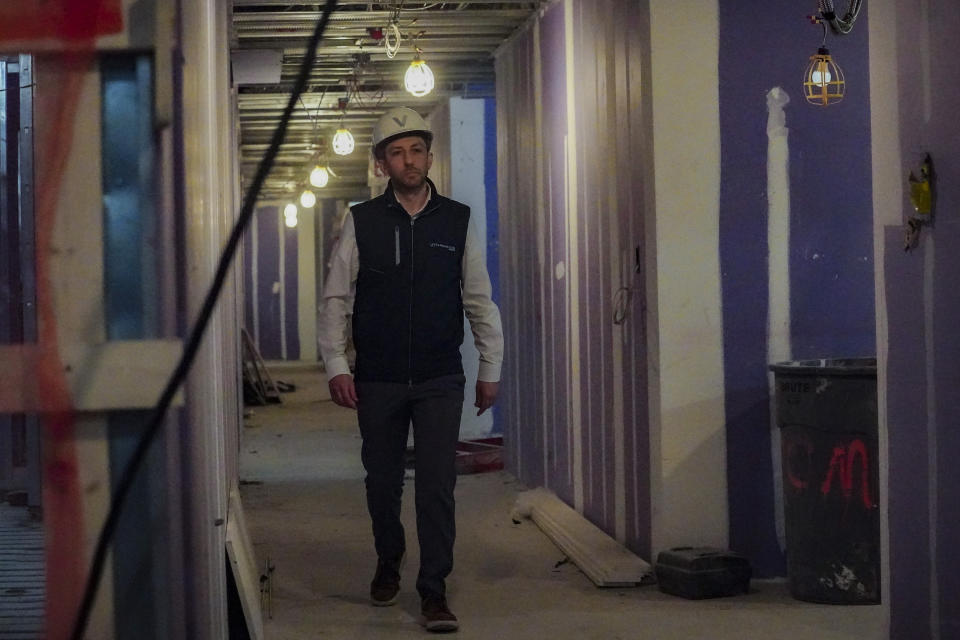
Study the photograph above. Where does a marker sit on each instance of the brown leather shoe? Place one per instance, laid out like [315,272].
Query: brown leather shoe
[436,616]
[385,585]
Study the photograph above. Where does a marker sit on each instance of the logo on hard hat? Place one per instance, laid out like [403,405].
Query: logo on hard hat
[401,123]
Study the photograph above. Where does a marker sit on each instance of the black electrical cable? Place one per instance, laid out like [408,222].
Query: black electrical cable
[195,335]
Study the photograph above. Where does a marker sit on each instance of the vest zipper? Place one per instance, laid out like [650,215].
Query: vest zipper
[396,245]
[410,324]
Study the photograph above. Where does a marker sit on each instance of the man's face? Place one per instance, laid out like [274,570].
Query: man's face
[407,161]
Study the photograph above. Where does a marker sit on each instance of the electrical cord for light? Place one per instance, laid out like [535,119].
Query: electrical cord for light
[195,336]
[842,25]
[355,94]
[399,5]
[315,118]
[425,7]
[392,48]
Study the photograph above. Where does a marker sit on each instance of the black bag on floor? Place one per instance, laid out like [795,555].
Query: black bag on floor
[702,572]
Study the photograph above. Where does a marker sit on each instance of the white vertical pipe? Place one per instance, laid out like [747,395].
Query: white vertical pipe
[778,274]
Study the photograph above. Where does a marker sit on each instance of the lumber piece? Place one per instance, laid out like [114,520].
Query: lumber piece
[604,560]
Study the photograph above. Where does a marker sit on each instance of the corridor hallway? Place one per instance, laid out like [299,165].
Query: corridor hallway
[303,498]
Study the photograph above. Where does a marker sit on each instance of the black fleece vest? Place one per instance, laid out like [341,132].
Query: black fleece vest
[408,310]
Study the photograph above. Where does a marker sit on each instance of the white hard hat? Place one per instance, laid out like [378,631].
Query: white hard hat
[397,122]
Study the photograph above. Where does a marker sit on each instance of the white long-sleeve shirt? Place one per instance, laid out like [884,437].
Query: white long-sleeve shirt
[340,290]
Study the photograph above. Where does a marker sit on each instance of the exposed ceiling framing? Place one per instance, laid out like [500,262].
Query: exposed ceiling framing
[457,39]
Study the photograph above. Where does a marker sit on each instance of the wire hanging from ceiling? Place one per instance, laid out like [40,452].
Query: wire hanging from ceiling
[396,6]
[842,25]
[392,47]
[355,93]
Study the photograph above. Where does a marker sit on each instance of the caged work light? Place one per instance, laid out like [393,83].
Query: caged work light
[343,143]
[319,177]
[419,78]
[823,82]
[307,199]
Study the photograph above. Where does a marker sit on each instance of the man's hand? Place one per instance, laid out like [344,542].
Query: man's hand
[343,392]
[486,395]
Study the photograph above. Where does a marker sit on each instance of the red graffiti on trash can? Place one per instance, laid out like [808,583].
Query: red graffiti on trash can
[842,466]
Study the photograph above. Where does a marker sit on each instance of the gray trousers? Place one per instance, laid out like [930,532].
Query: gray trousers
[385,411]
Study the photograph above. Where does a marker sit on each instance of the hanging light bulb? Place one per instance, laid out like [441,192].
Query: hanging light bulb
[823,82]
[307,199]
[419,78]
[319,177]
[343,142]
[290,221]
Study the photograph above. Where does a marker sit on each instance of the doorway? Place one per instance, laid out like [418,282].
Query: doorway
[21,534]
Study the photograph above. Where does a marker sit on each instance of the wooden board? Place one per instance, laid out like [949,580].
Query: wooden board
[605,561]
[244,565]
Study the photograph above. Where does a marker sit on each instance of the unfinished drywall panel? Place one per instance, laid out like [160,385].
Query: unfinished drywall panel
[572,142]
[554,139]
[205,138]
[689,444]
[515,104]
[610,160]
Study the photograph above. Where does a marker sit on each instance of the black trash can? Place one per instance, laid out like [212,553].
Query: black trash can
[827,414]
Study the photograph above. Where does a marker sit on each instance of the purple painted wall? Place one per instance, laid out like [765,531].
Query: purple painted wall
[522,334]
[831,241]
[268,273]
[923,406]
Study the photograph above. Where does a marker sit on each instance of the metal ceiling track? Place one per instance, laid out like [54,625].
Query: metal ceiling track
[457,39]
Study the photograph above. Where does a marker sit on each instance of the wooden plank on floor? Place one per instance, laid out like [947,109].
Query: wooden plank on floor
[600,557]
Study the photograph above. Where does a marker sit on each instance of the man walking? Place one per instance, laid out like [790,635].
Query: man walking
[409,264]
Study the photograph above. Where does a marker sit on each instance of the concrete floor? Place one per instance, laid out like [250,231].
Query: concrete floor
[304,502]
